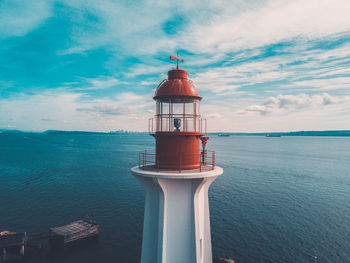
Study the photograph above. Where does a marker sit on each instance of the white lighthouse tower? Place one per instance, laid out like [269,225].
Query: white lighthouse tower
[176,177]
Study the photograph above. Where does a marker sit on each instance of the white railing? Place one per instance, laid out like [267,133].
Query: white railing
[165,123]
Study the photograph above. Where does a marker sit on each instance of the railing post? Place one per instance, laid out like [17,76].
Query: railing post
[157,161]
[213,160]
[180,164]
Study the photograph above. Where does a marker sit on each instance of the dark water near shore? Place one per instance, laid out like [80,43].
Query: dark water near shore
[280,199]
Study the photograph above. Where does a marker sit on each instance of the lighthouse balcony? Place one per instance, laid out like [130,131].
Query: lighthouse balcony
[149,160]
[177,123]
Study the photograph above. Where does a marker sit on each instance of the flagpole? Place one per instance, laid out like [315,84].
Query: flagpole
[177,60]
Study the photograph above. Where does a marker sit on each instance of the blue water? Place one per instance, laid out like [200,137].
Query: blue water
[279,200]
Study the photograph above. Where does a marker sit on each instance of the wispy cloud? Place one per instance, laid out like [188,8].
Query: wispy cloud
[66,110]
[91,65]
[230,78]
[47,119]
[214,28]
[103,83]
[17,17]
[213,115]
[283,103]
[106,110]
[334,83]
[127,105]
[262,23]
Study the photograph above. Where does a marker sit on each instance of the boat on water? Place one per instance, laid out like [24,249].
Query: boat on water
[223,135]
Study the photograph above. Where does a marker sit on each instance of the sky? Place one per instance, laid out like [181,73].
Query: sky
[94,65]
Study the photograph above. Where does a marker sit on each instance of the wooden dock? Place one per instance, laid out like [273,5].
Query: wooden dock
[59,237]
[75,231]
[11,241]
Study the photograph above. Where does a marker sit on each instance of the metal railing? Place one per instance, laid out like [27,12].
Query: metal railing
[165,123]
[207,159]
[148,159]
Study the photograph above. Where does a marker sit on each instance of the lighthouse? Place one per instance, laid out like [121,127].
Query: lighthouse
[176,176]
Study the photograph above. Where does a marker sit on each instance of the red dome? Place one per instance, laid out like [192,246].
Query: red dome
[177,85]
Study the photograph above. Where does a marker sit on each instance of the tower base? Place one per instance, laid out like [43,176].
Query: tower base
[176,219]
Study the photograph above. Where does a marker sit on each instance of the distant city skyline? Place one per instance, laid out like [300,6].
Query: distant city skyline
[260,66]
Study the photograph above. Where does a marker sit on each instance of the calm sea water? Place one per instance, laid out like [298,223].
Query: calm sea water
[279,200]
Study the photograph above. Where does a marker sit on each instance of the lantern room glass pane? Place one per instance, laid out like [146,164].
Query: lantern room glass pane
[197,106]
[178,115]
[189,108]
[165,108]
[178,108]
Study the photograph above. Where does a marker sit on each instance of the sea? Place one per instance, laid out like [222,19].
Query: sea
[280,199]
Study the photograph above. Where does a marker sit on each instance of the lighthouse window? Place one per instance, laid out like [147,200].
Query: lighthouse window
[189,108]
[178,114]
[178,108]
[197,106]
[165,108]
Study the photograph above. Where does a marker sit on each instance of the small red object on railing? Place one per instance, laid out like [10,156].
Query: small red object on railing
[204,141]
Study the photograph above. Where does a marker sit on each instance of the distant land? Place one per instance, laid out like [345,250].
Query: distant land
[342,133]
[280,134]
[51,132]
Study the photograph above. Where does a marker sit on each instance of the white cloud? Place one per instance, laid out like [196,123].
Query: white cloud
[213,115]
[226,79]
[133,28]
[106,109]
[67,111]
[268,22]
[149,83]
[225,35]
[103,82]
[326,84]
[29,112]
[210,27]
[47,119]
[298,69]
[283,103]
[17,17]
[147,69]
[98,83]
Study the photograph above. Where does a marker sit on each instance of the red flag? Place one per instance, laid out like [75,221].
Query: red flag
[173,58]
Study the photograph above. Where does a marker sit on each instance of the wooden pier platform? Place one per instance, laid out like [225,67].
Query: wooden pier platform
[75,231]
[11,241]
[59,237]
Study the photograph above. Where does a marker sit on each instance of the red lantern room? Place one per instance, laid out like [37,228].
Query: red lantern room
[178,124]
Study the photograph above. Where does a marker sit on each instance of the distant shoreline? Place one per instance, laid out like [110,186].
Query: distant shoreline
[333,133]
[339,133]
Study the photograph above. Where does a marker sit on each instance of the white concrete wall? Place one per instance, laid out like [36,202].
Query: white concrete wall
[176,220]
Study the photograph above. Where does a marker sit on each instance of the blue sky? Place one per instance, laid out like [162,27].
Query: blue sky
[94,65]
